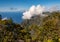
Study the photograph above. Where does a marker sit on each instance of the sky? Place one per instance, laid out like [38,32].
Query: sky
[17,5]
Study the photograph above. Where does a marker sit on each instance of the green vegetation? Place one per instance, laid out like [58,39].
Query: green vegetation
[37,29]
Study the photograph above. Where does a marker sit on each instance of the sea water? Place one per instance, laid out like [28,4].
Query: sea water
[16,16]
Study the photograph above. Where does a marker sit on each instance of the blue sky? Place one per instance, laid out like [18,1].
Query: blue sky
[25,4]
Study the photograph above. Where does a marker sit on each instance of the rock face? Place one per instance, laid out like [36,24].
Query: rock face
[20,40]
[34,20]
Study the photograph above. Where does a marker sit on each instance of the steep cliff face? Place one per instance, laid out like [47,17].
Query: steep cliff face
[39,20]
[35,29]
[33,20]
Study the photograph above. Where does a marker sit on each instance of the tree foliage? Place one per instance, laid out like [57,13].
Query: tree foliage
[37,29]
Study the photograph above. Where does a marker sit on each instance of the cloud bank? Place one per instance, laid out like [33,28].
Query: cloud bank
[54,8]
[33,10]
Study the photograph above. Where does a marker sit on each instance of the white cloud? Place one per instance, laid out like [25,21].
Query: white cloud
[26,15]
[34,10]
[5,19]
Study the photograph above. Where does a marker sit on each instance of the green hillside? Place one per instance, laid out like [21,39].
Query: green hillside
[37,29]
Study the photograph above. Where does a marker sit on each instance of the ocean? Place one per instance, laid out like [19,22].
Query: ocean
[16,16]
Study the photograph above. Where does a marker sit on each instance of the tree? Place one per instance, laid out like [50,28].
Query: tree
[0,17]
